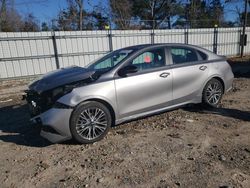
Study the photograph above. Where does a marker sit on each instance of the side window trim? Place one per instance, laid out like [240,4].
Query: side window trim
[146,71]
[200,57]
[166,66]
[172,65]
[199,61]
[163,48]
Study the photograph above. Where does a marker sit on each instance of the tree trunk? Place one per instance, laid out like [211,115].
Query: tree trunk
[80,20]
[169,23]
[80,3]
[2,13]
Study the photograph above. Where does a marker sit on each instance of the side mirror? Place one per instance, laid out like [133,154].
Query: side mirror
[123,72]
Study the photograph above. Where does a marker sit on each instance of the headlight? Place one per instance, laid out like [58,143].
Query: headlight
[33,103]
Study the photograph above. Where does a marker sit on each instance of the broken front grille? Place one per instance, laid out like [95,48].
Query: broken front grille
[38,103]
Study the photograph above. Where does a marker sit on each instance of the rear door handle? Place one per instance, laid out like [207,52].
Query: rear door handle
[164,74]
[202,67]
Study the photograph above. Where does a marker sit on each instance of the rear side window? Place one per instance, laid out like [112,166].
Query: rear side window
[202,55]
[183,55]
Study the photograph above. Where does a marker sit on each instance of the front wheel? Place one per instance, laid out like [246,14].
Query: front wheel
[90,122]
[212,93]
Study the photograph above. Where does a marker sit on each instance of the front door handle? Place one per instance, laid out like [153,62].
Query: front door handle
[203,67]
[164,74]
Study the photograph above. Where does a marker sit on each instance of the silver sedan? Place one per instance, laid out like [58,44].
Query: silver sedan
[83,103]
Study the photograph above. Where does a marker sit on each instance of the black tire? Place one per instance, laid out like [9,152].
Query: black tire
[79,116]
[212,93]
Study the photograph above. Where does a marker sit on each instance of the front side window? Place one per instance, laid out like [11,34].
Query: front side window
[183,55]
[150,59]
[109,61]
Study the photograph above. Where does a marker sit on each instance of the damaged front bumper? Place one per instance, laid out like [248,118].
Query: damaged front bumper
[54,124]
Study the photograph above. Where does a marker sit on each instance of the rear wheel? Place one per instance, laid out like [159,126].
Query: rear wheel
[90,122]
[212,93]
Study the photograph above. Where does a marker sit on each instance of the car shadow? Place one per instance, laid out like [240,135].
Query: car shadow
[15,127]
[240,69]
[227,112]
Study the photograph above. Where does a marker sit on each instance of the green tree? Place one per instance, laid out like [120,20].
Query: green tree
[242,15]
[80,10]
[30,24]
[45,26]
[10,19]
[121,11]
[2,14]
[196,13]
[155,13]
[216,12]
[201,13]
[71,18]
[99,20]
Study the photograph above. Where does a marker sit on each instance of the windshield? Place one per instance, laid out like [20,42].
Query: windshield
[111,60]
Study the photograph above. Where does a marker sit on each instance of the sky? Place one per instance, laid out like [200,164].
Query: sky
[42,10]
[46,10]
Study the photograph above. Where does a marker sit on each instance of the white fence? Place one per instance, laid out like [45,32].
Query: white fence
[32,53]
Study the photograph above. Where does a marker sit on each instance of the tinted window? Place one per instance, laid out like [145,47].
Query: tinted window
[150,59]
[202,55]
[111,60]
[183,55]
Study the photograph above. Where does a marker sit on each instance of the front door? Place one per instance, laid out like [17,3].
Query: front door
[148,89]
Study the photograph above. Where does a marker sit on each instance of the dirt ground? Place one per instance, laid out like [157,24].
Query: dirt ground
[188,147]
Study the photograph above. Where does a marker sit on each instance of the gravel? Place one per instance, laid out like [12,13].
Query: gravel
[188,147]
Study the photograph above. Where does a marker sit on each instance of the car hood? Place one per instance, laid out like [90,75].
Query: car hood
[61,77]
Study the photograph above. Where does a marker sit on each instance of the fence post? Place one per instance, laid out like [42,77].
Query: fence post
[215,42]
[153,33]
[152,37]
[55,49]
[240,38]
[110,38]
[186,35]
[244,37]
[243,42]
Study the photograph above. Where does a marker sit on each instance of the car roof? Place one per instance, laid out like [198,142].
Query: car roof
[142,46]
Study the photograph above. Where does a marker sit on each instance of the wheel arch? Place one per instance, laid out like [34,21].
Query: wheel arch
[221,81]
[216,77]
[204,99]
[109,106]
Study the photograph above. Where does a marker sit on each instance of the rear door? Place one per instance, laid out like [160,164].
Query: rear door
[148,89]
[190,72]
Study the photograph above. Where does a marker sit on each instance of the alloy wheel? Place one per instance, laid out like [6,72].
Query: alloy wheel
[91,123]
[214,92]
